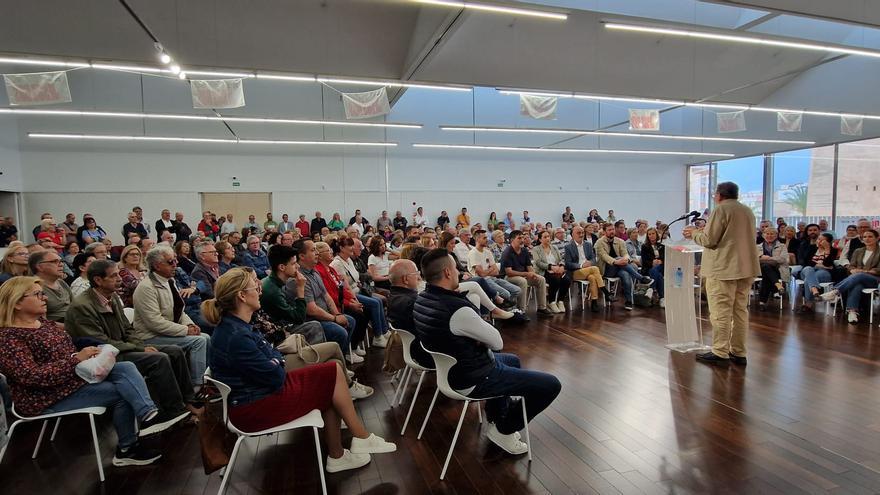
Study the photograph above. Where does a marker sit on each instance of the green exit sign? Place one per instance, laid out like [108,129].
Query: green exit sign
[236,184]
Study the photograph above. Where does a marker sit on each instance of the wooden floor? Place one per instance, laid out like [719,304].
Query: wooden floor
[803,417]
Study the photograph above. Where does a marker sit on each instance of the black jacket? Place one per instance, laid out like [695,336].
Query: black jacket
[400,314]
[648,256]
[317,224]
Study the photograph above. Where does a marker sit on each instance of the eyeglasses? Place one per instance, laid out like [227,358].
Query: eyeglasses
[172,261]
[23,254]
[258,288]
[38,294]
[54,262]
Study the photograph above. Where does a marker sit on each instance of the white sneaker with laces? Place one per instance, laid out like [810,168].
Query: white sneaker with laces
[662,302]
[830,295]
[509,443]
[354,358]
[852,317]
[380,341]
[348,461]
[373,444]
[359,390]
[349,373]
[360,352]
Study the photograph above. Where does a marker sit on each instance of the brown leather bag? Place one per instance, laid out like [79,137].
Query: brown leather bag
[393,353]
[216,440]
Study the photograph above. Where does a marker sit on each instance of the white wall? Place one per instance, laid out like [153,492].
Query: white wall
[108,184]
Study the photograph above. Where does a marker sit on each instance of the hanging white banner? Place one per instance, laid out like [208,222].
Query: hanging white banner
[38,88]
[789,121]
[538,107]
[731,121]
[217,93]
[644,120]
[366,105]
[851,126]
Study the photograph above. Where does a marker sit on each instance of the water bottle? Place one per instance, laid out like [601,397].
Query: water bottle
[679,278]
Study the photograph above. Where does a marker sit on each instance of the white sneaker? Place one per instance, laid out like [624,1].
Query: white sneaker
[554,306]
[380,341]
[509,443]
[360,352]
[373,444]
[830,295]
[348,461]
[359,391]
[852,317]
[662,302]
[355,358]
[349,373]
[560,307]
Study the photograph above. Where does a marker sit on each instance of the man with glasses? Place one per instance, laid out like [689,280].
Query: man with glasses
[405,280]
[207,270]
[47,266]
[159,316]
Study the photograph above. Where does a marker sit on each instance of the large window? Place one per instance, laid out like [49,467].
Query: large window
[748,174]
[858,183]
[802,184]
[699,187]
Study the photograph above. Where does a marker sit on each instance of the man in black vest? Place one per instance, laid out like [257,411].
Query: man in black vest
[446,322]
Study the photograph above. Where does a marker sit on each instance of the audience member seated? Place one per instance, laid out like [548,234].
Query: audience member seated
[345,300]
[131,272]
[159,316]
[47,266]
[89,232]
[817,266]
[97,314]
[255,258]
[448,240]
[498,245]
[634,248]
[863,273]
[463,245]
[208,226]
[264,394]
[338,327]
[81,264]
[843,244]
[567,215]
[446,322]
[559,239]
[50,230]
[653,254]
[226,255]
[593,217]
[463,220]
[71,249]
[270,225]
[287,306]
[516,265]
[791,243]
[862,226]
[580,262]
[549,263]
[356,304]
[336,224]
[405,282]
[15,261]
[133,227]
[773,258]
[613,261]
[207,270]
[183,252]
[481,263]
[378,263]
[39,362]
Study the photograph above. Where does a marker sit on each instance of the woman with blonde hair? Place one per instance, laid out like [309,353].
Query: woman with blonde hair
[131,271]
[40,361]
[264,395]
[15,261]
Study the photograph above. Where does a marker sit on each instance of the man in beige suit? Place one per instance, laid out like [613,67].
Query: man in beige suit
[730,267]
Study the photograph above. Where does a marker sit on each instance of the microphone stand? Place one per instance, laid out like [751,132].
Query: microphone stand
[663,234]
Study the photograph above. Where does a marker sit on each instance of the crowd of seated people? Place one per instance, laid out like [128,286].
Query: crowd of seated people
[248,289]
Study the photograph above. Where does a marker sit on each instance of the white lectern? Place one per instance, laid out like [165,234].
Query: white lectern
[684,330]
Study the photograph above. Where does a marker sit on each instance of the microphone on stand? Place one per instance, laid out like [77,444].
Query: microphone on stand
[694,214]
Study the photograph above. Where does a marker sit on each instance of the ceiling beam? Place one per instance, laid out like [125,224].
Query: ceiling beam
[788,7]
[758,21]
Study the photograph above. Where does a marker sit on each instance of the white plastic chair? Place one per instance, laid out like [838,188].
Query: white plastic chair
[871,294]
[611,284]
[444,363]
[583,287]
[90,411]
[407,339]
[312,420]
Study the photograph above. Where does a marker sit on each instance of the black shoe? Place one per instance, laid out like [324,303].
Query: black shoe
[545,312]
[208,394]
[628,306]
[712,358]
[136,455]
[740,360]
[518,317]
[507,305]
[594,306]
[162,422]
[762,306]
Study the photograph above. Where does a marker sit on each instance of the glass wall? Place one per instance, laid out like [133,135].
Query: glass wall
[802,188]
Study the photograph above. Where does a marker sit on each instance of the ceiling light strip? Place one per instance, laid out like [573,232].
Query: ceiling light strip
[497,9]
[228,118]
[180,139]
[735,38]
[579,132]
[566,150]
[386,82]
[694,104]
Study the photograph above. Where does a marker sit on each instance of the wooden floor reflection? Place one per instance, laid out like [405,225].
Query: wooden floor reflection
[803,417]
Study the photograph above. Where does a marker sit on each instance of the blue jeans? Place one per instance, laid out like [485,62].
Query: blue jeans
[656,272]
[851,288]
[334,332]
[505,289]
[487,288]
[196,347]
[376,312]
[506,379]
[628,275]
[812,278]
[123,390]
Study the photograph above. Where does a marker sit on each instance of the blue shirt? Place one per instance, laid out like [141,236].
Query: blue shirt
[241,358]
[259,262]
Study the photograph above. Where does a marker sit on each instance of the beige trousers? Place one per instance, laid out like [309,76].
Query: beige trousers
[327,351]
[540,285]
[729,314]
[592,275]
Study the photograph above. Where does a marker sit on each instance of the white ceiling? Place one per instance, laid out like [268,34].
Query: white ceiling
[400,39]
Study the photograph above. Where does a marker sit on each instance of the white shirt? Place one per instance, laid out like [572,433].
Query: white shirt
[461,250]
[228,228]
[581,255]
[359,227]
[348,270]
[866,257]
[418,220]
[382,264]
[465,322]
[551,257]
[484,260]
